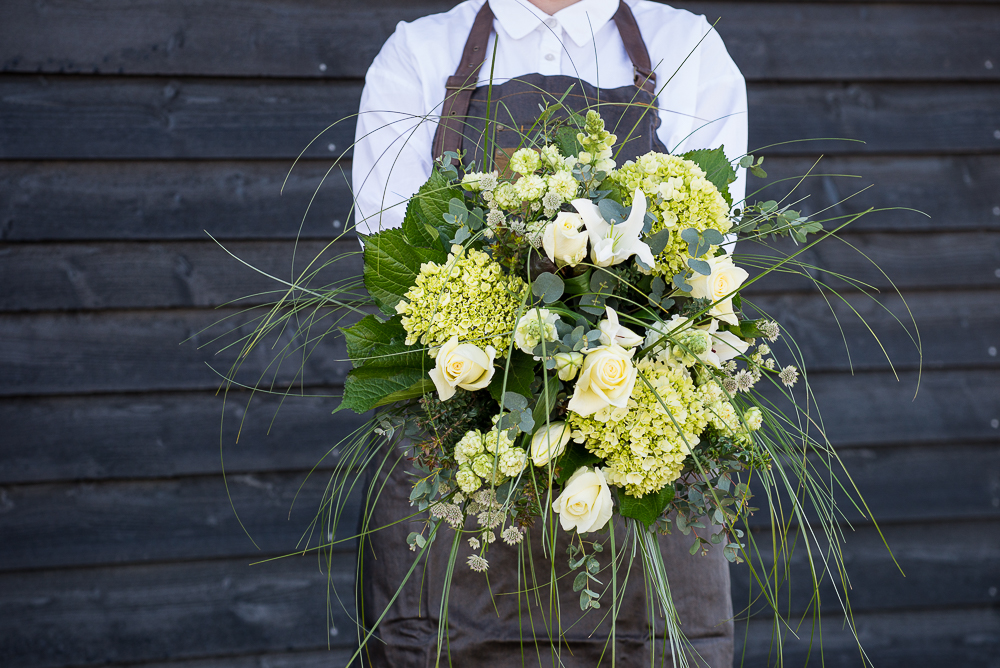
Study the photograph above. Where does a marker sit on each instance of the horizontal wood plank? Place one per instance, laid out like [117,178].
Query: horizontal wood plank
[82,524]
[62,117]
[172,200]
[137,350]
[87,524]
[956,572]
[112,275]
[119,275]
[890,640]
[171,612]
[119,351]
[953,191]
[177,434]
[324,658]
[316,39]
[168,435]
[243,200]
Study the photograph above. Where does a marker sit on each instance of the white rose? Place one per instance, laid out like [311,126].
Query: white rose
[462,365]
[533,327]
[612,332]
[585,503]
[564,240]
[607,378]
[568,364]
[548,442]
[719,287]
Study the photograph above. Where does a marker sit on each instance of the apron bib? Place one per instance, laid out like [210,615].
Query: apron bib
[490,626]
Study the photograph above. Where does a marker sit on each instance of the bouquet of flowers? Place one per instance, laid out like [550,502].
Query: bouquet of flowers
[559,343]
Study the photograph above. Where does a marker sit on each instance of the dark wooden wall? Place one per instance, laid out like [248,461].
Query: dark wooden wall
[128,129]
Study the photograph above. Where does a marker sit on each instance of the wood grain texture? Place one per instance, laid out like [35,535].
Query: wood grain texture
[168,612]
[168,435]
[121,275]
[73,353]
[65,117]
[334,40]
[144,350]
[91,201]
[324,658]
[153,435]
[172,200]
[85,524]
[89,276]
[896,639]
[946,565]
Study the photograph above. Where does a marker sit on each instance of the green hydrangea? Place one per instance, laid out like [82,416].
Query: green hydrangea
[643,448]
[480,456]
[468,296]
[680,197]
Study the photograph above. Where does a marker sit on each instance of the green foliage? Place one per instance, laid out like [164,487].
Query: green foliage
[717,168]
[369,387]
[648,508]
[576,455]
[548,286]
[392,263]
[374,343]
[520,373]
[424,223]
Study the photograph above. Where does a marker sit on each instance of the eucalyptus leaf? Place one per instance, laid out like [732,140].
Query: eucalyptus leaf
[700,266]
[548,286]
[658,241]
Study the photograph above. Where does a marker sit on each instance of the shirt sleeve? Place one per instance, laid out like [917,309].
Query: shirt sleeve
[721,108]
[392,151]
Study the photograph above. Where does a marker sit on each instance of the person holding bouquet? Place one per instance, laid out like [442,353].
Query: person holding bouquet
[662,81]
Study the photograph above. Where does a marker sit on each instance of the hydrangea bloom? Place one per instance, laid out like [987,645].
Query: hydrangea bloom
[679,197]
[642,446]
[482,456]
[469,296]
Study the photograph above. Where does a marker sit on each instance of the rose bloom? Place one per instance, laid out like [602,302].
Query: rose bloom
[462,365]
[606,379]
[548,442]
[585,503]
[725,279]
[563,240]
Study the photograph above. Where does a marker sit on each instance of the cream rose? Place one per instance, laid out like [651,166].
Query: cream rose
[585,503]
[549,441]
[606,379]
[462,365]
[564,242]
[719,287]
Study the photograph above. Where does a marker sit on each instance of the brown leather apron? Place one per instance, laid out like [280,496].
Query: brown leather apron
[489,626]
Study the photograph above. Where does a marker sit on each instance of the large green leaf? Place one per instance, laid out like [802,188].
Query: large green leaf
[519,374]
[717,168]
[370,386]
[649,507]
[576,455]
[391,266]
[374,343]
[425,212]
[544,408]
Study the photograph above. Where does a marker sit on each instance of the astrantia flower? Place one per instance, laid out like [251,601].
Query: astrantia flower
[512,536]
[643,448]
[468,296]
[788,376]
[744,381]
[769,330]
[477,563]
[474,543]
[449,512]
[681,197]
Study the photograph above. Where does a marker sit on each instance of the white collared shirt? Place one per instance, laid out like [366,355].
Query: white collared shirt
[702,95]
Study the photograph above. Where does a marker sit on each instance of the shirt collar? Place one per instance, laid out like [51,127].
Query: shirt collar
[581,20]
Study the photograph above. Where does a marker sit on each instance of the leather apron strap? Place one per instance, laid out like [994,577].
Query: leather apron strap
[462,84]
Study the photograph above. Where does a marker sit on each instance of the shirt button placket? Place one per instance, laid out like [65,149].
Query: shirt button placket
[549,62]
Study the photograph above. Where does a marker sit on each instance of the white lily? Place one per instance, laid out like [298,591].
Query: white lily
[613,332]
[613,244]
